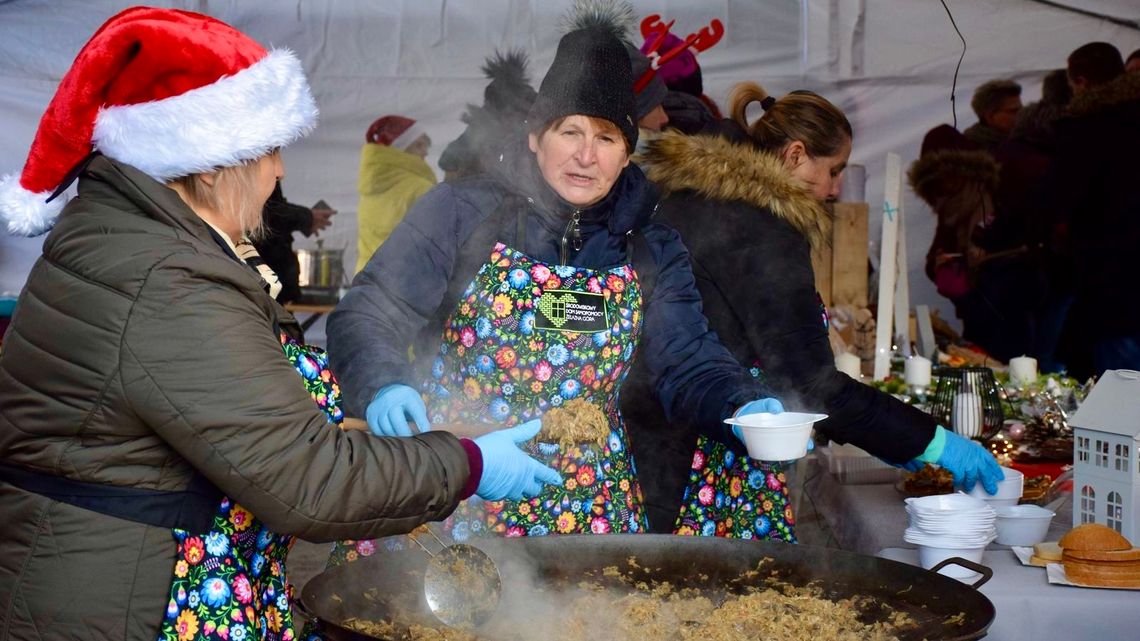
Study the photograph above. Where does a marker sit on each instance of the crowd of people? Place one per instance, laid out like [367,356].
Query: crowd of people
[1037,216]
[158,402]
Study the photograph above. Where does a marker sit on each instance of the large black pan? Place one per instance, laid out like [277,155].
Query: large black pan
[389,585]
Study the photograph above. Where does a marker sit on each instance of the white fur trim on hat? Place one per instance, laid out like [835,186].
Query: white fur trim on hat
[238,118]
[408,136]
[27,213]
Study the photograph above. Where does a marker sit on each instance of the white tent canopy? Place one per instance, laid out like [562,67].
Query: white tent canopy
[887,63]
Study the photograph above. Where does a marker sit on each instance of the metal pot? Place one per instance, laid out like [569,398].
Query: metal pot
[388,586]
[321,268]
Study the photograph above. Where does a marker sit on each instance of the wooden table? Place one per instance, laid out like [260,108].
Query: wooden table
[315,312]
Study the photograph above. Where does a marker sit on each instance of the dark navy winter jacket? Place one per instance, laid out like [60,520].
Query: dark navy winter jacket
[412,283]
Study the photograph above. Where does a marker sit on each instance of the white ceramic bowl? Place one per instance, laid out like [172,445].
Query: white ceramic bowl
[1022,524]
[776,437]
[1008,488]
[930,556]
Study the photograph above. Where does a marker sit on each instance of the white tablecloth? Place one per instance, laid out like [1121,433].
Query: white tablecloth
[1029,608]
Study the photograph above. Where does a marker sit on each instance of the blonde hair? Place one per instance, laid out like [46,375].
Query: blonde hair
[801,115]
[233,195]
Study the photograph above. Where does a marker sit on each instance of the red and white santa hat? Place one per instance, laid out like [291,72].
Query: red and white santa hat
[169,92]
[394,131]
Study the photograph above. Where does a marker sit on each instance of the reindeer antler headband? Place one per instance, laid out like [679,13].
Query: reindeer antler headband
[654,32]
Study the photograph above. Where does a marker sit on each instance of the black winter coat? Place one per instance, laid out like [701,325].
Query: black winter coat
[749,229]
[1091,193]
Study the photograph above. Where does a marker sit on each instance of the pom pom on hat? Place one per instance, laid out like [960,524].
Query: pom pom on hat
[394,131]
[171,93]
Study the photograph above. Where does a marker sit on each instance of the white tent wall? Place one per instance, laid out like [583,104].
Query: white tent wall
[887,63]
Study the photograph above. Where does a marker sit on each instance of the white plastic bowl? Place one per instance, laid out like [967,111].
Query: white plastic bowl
[1022,524]
[930,556]
[1009,488]
[776,437]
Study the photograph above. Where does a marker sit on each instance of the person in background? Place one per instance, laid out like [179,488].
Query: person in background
[1091,195]
[275,244]
[393,175]
[492,128]
[996,103]
[152,423]
[1024,160]
[533,287]
[1132,65]
[681,74]
[997,289]
[749,203]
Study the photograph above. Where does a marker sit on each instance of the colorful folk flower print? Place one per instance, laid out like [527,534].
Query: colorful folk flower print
[516,369]
[735,496]
[230,584]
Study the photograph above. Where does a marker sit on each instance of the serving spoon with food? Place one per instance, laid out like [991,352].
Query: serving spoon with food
[461,583]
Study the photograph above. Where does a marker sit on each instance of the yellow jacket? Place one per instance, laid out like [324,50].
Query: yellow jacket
[391,180]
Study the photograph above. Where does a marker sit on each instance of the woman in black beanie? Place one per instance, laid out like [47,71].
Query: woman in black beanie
[530,287]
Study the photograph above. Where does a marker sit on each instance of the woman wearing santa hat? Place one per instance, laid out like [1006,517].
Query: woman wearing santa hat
[151,426]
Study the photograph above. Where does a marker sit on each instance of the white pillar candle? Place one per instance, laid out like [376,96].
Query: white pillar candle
[849,364]
[1022,370]
[916,371]
[967,414]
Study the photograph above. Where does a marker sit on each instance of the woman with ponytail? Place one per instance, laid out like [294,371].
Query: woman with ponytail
[749,200]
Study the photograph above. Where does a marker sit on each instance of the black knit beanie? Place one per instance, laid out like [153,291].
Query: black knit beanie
[590,76]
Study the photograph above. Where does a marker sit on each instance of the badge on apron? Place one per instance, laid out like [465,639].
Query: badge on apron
[571,311]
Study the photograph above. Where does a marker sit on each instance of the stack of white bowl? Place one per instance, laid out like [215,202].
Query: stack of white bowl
[948,525]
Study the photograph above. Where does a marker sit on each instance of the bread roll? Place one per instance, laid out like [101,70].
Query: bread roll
[1094,536]
[1047,551]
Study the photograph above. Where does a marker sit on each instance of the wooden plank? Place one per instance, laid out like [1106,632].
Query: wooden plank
[888,266]
[849,255]
[902,291]
[926,344]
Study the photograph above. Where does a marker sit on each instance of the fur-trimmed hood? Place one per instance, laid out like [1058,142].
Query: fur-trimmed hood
[720,169]
[933,173]
[1122,89]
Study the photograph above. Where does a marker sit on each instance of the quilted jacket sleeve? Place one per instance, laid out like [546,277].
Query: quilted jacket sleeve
[695,377]
[392,298]
[201,366]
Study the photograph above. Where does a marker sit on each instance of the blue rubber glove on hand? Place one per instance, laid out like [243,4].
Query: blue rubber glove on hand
[389,411]
[508,472]
[967,460]
[759,406]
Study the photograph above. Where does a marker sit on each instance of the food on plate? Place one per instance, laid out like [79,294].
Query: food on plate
[1034,488]
[1099,556]
[576,422]
[1044,553]
[927,481]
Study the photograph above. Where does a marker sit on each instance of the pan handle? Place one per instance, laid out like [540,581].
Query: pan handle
[299,608]
[984,570]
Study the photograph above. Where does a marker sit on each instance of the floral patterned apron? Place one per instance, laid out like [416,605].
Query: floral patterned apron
[736,496]
[230,582]
[509,352]
[526,337]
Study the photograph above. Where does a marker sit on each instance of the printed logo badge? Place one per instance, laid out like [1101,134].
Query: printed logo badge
[569,311]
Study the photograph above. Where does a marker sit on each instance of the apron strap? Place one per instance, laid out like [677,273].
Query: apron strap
[192,509]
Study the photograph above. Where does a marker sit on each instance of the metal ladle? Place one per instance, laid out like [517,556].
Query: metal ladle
[461,583]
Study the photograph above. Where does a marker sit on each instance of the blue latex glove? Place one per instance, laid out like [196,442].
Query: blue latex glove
[508,472]
[759,406]
[389,411]
[967,460]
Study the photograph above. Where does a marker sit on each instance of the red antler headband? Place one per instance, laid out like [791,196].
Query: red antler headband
[653,28]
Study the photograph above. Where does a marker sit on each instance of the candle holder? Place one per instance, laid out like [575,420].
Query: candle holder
[966,400]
